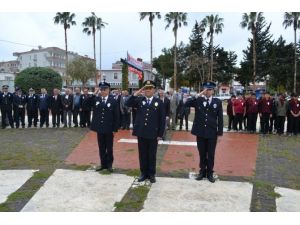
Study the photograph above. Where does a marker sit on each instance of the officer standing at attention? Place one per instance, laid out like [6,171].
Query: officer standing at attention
[106,123]
[207,126]
[19,102]
[32,108]
[6,103]
[149,127]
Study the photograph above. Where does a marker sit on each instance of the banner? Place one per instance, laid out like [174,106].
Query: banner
[134,62]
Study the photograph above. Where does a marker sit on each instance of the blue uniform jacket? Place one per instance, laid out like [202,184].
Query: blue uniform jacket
[105,117]
[208,121]
[150,119]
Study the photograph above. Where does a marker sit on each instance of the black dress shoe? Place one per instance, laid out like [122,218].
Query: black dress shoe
[211,178]
[100,169]
[201,175]
[142,178]
[152,179]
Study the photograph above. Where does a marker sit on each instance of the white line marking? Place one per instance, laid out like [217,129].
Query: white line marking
[182,143]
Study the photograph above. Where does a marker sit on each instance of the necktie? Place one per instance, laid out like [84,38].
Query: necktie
[148,101]
[103,101]
[207,102]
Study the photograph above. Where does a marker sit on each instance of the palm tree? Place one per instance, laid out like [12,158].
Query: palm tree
[250,21]
[90,25]
[214,24]
[178,19]
[100,24]
[293,18]
[151,16]
[67,20]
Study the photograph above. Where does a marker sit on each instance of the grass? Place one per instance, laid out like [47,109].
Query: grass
[133,172]
[133,200]
[17,200]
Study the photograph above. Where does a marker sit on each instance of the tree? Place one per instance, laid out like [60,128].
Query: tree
[90,25]
[67,20]
[100,24]
[262,39]
[82,69]
[225,63]
[151,16]
[178,19]
[214,25]
[293,19]
[250,22]
[125,81]
[164,65]
[37,78]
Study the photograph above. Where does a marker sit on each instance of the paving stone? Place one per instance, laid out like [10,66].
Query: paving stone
[289,200]
[75,191]
[12,180]
[186,195]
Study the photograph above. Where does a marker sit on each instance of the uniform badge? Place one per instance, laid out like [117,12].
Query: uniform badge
[204,103]
[97,103]
[108,105]
[268,103]
[143,102]
[255,103]
[297,105]
[156,104]
[34,97]
[215,105]
[82,97]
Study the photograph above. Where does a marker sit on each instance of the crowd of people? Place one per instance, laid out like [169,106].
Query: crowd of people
[244,110]
[74,108]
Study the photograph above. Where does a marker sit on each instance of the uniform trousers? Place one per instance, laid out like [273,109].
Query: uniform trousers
[206,148]
[265,118]
[251,121]
[105,144]
[19,114]
[32,116]
[147,155]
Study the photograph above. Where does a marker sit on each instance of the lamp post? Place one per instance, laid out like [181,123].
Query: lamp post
[267,79]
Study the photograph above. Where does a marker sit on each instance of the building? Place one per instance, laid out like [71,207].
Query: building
[9,66]
[114,76]
[51,57]
[7,79]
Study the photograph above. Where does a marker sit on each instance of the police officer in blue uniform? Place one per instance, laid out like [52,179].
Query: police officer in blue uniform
[32,108]
[6,103]
[19,102]
[149,128]
[106,123]
[207,126]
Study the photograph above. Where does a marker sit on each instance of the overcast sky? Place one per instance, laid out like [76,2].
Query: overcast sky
[124,32]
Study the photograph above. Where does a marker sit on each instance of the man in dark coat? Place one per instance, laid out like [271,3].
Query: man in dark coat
[85,108]
[32,108]
[6,102]
[106,123]
[67,105]
[55,106]
[19,103]
[44,105]
[166,103]
[207,126]
[149,128]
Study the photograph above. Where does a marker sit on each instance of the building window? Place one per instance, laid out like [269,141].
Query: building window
[115,76]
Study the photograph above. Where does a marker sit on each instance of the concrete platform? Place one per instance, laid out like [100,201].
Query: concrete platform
[289,200]
[12,180]
[79,191]
[186,195]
